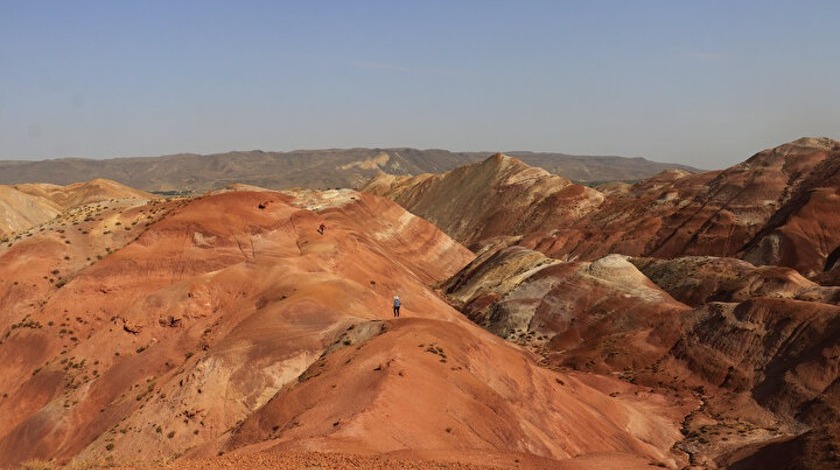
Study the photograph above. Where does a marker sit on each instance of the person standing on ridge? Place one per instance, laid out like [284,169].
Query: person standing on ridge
[322,228]
[396,306]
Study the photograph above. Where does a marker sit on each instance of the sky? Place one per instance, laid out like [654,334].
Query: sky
[703,83]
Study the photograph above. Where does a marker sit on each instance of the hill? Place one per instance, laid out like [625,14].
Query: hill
[228,325]
[349,168]
[27,205]
[774,208]
[684,321]
[728,297]
[499,196]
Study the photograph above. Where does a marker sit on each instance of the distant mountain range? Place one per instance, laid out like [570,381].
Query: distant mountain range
[306,168]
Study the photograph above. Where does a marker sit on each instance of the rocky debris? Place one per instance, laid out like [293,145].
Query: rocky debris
[129,327]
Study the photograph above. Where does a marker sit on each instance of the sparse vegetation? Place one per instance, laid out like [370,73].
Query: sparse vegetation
[27,322]
[433,348]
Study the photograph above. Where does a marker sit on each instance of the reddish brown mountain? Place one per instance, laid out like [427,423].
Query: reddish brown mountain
[229,323]
[753,339]
[499,196]
[763,364]
[775,208]
[689,320]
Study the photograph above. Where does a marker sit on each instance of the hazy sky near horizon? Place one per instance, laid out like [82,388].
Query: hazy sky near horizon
[704,83]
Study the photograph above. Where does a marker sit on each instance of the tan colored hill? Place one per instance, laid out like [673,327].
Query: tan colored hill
[229,324]
[27,205]
[19,211]
[79,194]
[346,168]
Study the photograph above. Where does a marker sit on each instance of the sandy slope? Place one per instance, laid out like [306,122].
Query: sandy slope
[25,206]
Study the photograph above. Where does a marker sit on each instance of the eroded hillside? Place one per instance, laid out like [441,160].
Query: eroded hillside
[228,324]
[500,196]
[729,296]
[777,207]
[686,321]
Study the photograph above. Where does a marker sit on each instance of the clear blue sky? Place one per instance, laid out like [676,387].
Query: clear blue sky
[706,83]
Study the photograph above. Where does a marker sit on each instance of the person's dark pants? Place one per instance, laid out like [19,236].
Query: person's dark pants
[396,311]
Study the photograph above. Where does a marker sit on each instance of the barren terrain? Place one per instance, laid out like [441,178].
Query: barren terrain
[685,321]
[227,324]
